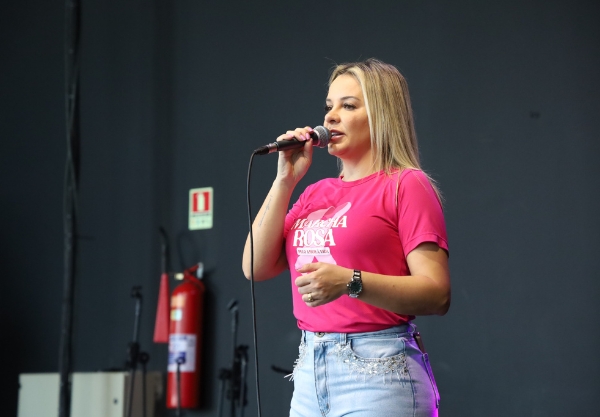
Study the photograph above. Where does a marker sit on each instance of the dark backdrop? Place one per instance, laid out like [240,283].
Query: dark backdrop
[176,95]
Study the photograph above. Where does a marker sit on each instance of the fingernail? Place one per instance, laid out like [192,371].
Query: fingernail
[310,129]
[307,136]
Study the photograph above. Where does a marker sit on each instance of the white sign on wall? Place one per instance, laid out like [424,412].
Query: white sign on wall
[201,208]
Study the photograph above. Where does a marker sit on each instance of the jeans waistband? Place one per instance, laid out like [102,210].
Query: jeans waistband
[319,337]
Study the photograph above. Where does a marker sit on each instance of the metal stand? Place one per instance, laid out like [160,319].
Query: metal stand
[144,358]
[233,387]
[239,374]
[224,376]
[134,354]
[235,377]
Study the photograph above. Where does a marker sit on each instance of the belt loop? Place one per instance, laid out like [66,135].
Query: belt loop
[303,338]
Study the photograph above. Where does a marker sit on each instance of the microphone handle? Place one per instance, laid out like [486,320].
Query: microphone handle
[282,145]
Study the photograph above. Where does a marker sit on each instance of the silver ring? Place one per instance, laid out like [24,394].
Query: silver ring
[310,299]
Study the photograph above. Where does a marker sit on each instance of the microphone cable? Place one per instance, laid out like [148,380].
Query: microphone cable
[252,284]
[70,201]
[322,136]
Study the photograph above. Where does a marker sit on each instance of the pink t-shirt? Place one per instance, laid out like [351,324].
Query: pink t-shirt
[371,225]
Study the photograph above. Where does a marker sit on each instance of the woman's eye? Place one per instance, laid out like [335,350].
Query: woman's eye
[348,106]
[327,108]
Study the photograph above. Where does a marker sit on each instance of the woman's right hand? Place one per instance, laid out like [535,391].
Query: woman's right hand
[294,163]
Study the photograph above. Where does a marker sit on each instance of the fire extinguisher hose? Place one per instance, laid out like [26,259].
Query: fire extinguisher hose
[179,361]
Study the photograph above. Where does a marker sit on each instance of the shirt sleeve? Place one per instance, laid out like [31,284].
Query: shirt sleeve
[420,215]
[293,213]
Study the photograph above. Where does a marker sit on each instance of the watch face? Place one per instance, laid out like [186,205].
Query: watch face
[355,287]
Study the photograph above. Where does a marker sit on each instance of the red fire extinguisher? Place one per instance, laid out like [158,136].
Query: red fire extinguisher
[185,340]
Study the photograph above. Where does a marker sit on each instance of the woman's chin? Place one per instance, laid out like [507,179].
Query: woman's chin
[333,149]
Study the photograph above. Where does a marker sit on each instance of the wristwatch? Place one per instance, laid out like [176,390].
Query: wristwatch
[355,285]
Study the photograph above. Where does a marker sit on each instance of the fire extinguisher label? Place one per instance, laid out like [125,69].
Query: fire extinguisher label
[182,346]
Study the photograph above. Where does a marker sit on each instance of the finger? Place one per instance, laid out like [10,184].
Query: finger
[302,281]
[309,299]
[299,133]
[286,136]
[309,267]
[304,132]
[308,130]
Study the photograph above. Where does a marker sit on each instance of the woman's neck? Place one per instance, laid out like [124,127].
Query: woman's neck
[353,171]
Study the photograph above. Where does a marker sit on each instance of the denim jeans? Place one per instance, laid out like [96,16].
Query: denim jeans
[381,374]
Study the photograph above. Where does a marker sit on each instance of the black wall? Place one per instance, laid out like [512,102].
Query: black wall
[176,95]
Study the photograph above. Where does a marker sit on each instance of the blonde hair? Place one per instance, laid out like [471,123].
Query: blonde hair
[391,124]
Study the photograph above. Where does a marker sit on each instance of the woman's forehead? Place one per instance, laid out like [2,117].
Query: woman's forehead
[344,86]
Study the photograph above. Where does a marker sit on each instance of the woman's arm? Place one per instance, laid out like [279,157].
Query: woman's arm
[426,291]
[269,250]
[267,228]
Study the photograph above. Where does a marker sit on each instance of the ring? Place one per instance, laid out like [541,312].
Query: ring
[310,299]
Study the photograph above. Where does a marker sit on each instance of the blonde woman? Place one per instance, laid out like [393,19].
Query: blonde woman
[367,252]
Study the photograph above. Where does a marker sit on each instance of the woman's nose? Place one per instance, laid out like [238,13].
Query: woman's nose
[331,117]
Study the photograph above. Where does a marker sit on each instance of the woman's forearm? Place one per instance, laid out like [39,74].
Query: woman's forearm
[269,254]
[415,295]
[426,291]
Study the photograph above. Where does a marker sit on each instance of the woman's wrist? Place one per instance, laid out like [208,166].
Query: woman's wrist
[283,184]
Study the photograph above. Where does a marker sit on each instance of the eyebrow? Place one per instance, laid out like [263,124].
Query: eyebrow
[328,100]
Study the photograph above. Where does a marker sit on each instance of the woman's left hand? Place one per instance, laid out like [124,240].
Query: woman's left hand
[322,282]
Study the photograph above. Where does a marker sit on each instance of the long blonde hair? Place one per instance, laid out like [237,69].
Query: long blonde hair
[391,124]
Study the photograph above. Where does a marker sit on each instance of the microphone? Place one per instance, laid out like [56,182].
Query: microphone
[320,137]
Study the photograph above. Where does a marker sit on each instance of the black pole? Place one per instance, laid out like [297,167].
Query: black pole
[233,308]
[144,358]
[72,32]
[134,346]
[224,376]
[243,353]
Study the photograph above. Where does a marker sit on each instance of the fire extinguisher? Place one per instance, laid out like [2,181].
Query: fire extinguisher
[185,340]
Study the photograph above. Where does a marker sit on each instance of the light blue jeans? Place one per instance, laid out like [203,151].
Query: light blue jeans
[382,374]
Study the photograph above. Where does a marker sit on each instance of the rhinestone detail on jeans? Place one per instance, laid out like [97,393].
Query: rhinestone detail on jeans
[298,362]
[393,365]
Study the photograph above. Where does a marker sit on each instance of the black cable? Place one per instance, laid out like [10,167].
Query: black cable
[252,284]
[72,36]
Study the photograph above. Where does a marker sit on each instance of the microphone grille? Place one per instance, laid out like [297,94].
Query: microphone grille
[323,135]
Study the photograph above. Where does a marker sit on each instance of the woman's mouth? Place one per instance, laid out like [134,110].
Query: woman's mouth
[335,134]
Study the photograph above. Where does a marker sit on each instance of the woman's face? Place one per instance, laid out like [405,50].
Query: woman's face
[347,119]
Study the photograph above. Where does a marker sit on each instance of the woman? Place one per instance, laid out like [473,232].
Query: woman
[367,252]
